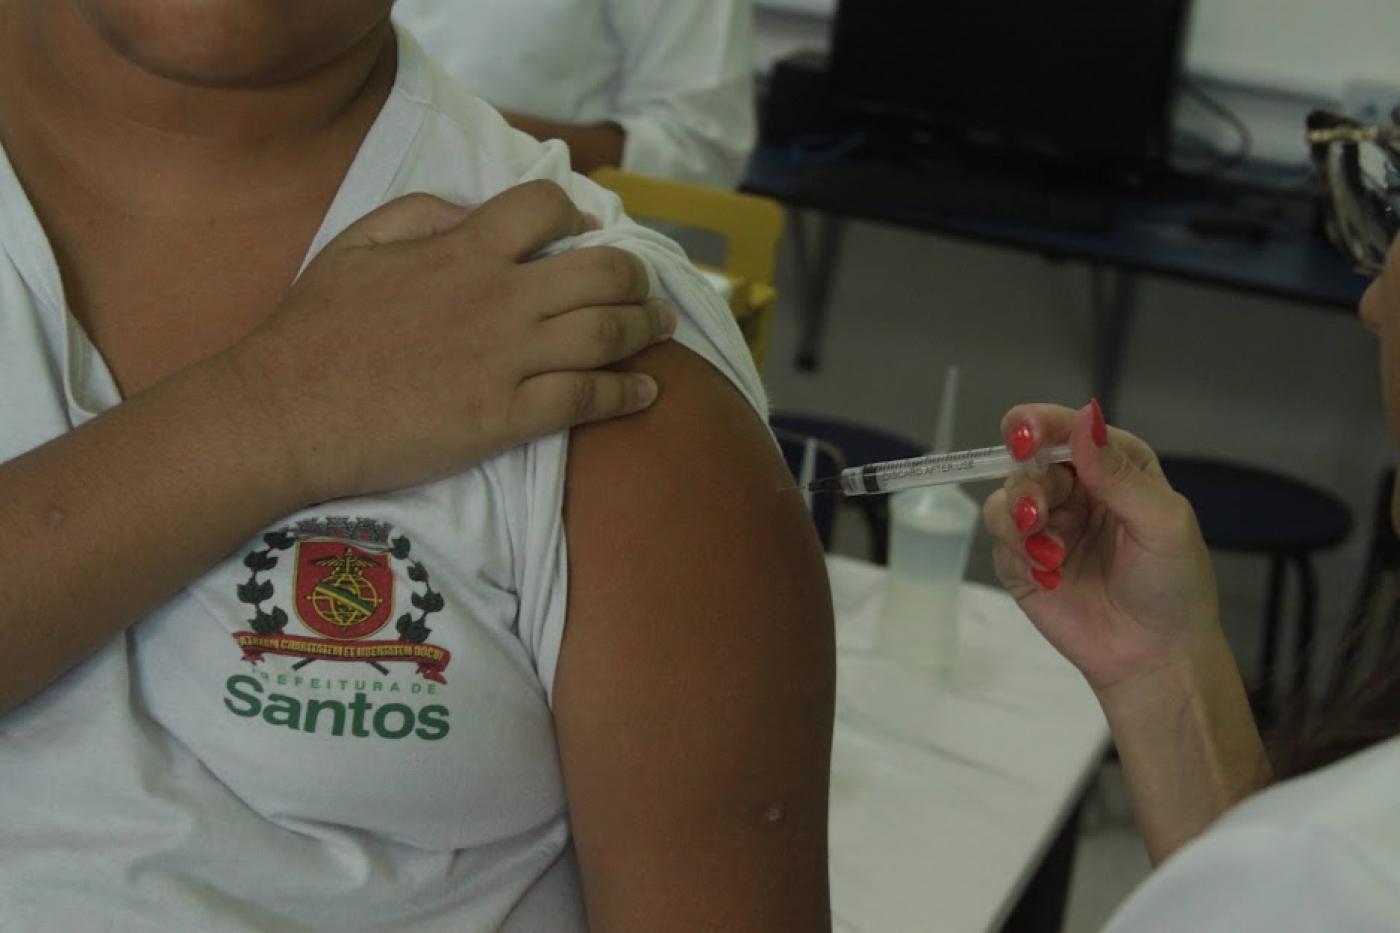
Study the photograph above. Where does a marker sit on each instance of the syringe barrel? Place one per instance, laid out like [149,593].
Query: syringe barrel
[967,466]
[893,475]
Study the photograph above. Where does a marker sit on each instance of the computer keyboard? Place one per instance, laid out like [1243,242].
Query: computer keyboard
[955,190]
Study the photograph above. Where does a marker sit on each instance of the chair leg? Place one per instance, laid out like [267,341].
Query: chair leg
[1268,655]
[876,512]
[1111,296]
[1392,628]
[1307,633]
[1343,671]
[816,268]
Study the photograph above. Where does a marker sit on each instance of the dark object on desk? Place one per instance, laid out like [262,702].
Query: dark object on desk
[798,100]
[1078,81]
[1226,224]
[960,189]
[1251,510]
[858,444]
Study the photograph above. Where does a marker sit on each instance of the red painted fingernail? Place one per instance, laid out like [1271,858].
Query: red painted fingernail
[1100,430]
[1022,441]
[1025,513]
[1045,551]
[1050,579]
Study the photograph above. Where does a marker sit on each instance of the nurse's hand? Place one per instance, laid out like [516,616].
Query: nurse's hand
[425,339]
[1109,564]
[1105,559]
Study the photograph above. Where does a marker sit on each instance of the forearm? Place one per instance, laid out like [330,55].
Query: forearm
[1188,743]
[591,146]
[105,523]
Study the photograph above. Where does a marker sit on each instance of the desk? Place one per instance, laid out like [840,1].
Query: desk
[945,797]
[1150,234]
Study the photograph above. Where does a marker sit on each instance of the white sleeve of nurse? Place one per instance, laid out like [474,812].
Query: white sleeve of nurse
[1256,878]
[686,99]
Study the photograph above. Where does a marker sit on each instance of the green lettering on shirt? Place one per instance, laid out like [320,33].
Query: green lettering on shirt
[254,704]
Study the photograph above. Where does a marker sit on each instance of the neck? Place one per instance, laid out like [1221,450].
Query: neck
[114,124]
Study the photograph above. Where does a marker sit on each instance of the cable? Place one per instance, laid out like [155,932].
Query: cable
[1246,144]
[827,147]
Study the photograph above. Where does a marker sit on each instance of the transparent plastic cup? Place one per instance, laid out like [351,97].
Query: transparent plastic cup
[931,533]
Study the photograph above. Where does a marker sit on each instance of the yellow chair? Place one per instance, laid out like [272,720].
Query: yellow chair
[751,228]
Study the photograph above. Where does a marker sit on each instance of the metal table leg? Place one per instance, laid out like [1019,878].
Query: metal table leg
[1041,908]
[1112,292]
[815,271]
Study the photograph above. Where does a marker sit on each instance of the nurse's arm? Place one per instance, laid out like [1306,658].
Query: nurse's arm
[695,688]
[1188,743]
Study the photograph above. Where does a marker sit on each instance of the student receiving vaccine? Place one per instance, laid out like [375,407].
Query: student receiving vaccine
[316,614]
[659,87]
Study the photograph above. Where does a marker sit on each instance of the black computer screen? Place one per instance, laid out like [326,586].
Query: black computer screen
[1072,78]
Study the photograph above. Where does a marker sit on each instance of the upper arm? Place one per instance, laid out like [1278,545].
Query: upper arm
[695,687]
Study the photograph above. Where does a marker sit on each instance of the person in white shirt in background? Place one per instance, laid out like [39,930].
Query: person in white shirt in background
[658,87]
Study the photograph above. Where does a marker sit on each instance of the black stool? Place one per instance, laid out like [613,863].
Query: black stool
[858,445]
[1246,509]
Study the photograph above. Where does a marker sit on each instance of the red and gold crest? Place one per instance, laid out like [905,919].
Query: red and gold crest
[342,591]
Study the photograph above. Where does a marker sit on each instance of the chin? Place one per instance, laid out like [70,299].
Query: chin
[233,43]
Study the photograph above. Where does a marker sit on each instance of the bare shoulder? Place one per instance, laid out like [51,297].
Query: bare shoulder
[694,694]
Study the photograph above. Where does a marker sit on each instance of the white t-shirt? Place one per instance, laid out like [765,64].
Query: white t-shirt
[677,75]
[345,725]
[1319,854]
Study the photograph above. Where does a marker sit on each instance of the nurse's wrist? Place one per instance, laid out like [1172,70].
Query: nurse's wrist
[1194,696]
[1194,669]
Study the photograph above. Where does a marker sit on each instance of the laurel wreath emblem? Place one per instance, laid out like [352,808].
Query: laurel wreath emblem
[426,602]
[256,591]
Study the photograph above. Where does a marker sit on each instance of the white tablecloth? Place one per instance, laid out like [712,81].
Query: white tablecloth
[945,794]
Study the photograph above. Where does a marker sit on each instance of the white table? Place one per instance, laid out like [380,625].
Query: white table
[945,794]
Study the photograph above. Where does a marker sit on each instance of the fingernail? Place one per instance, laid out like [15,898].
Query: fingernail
[670,318]
[665,315]
[1025,513]
[1022,441]
[645,389]
[1049,579]
[1045,551]
[1100,430]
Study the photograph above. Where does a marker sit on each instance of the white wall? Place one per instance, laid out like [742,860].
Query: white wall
[1310,47]
[809,7]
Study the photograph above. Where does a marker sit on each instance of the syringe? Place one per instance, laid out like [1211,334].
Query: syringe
[964,466]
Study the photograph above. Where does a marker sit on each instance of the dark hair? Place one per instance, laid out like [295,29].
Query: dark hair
[1348,719]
